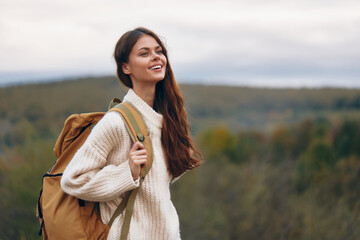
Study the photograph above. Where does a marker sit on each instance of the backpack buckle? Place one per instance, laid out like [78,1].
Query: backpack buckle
[140,137]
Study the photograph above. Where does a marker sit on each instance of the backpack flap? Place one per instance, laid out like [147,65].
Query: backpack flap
[73,127]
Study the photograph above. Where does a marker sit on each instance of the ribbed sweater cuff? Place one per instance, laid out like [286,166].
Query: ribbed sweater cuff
[123,179]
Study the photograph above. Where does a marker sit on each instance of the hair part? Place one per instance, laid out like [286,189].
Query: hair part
[180,151]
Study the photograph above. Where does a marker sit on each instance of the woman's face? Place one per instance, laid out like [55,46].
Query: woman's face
[147,62]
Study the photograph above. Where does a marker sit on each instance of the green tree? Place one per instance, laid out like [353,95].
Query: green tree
[314,164]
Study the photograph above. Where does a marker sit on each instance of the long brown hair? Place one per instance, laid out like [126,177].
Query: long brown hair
[180,150]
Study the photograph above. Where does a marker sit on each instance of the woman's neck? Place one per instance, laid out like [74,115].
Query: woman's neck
[146,92]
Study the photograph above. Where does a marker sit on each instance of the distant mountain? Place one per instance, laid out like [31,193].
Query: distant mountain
[208,106]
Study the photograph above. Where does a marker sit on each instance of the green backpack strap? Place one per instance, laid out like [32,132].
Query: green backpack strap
[139,133]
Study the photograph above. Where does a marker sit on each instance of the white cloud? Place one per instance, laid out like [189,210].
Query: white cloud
[219,37]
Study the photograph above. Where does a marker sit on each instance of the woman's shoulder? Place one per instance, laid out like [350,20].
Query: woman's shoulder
[111,122]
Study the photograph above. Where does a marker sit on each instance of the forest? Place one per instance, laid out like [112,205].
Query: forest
[278,163]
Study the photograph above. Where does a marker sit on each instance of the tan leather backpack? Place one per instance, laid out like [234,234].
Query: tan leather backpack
[66,217]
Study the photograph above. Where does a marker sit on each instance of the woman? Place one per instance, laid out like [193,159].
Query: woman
[109,164]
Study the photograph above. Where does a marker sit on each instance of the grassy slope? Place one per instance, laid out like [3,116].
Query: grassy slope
[31,116]
[208,106]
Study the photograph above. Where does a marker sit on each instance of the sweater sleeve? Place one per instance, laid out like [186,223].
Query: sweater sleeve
[89,176]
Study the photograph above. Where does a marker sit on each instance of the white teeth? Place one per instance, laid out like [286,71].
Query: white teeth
[156,67]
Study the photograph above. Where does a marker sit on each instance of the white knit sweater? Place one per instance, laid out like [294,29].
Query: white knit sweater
[100,172]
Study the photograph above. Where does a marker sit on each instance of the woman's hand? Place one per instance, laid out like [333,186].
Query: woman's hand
[137,159]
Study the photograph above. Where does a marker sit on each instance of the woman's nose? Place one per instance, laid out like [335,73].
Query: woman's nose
[155,56]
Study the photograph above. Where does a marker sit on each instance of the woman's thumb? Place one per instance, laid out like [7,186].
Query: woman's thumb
[137,146]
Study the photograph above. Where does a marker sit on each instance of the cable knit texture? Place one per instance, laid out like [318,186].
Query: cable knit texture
[100,171]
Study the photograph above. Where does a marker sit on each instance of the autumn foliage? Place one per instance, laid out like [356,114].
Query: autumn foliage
[279,164]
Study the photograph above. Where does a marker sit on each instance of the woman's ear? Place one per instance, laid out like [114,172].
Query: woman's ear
[125,68]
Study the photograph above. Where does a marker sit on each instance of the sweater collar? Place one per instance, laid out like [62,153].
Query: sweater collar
[150,115]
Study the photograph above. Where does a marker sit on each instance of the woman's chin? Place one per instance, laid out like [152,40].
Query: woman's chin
[158,79]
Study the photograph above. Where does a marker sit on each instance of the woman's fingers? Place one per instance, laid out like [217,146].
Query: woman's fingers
[141,162]
[138,153]
[136,146]
[137,159]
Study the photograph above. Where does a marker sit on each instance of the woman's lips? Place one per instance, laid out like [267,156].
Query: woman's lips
[156,68]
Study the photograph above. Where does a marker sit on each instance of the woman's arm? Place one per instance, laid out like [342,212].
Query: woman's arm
[89,176]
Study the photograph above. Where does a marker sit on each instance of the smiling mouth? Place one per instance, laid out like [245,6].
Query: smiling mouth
[156,67]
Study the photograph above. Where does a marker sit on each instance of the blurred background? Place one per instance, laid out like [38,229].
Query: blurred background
[272,90]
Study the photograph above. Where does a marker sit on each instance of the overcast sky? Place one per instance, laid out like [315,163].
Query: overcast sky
[272,43]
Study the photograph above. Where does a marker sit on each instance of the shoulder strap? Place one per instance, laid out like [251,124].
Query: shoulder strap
[137,129]
[139,133]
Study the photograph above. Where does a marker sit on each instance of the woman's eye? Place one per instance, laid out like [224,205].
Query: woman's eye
[160,52]
[143,54]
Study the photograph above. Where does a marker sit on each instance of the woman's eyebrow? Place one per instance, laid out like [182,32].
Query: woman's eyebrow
[146,48]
